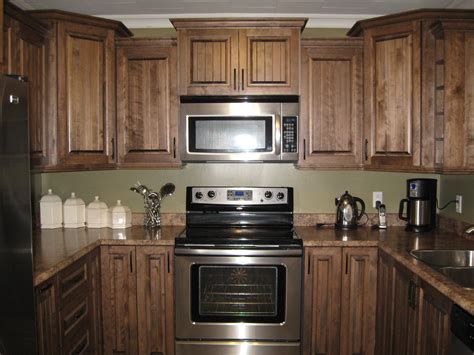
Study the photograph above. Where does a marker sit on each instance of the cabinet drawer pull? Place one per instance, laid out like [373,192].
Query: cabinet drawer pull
[366,150]
[69,284]
[168,260]
[113,148]
[243,76]
[304,149]
[70,321]
[131,262]
[347,263]
[235,79]
[45,288]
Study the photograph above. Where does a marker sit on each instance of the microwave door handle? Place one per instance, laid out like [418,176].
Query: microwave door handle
[278,137]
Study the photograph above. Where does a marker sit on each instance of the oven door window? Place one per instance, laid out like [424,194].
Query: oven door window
[228,293]
[230,134]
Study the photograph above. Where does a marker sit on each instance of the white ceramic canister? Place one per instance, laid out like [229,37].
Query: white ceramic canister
[97,215]
[51,211]
[74,210]
[120,216]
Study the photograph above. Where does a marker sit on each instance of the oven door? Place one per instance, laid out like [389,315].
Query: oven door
[238,297]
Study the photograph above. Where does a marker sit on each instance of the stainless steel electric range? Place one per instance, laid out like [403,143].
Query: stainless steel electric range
[238,268]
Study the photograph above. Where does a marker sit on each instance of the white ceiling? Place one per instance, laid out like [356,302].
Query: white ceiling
[322,13]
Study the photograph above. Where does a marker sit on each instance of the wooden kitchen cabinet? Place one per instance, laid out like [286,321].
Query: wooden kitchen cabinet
[137,299]
[147,103]
[47,321]
[238,56]
[412,317]
[339,300]
[25,54]
[81,88]
[331,104]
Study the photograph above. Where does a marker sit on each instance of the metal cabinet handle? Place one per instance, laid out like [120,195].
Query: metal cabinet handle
[113,148]
[366,149]
[174,147]
[131,262]
[304,149]
[235,79]
[347,263]
[71,282]
[45,288]
[243,76]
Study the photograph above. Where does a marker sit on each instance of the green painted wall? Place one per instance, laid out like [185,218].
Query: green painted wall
[314,190]
[452,185]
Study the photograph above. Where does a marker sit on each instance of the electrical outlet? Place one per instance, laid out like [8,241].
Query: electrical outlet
[377,196]
[459,203]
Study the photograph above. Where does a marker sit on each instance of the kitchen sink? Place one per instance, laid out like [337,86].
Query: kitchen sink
[458,265]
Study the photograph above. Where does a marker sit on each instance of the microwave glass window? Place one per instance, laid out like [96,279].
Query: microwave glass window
[231,134]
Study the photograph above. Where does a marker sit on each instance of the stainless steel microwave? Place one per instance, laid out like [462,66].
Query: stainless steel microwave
[239,129]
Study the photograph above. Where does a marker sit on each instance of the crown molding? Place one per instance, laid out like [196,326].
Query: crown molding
[22,4]
[314,20]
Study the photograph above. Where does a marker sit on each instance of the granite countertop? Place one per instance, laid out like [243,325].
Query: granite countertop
[56,249]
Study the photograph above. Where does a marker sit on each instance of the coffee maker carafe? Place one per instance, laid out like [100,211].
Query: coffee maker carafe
[421,205]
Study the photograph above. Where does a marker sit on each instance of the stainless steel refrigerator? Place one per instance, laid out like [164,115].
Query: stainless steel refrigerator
[17,307]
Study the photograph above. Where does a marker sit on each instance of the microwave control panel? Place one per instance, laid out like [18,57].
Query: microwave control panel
[289,141]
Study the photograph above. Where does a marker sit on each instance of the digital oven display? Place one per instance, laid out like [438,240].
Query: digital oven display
[239,195]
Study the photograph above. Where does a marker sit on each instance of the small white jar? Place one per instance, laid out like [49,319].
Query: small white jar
[51,211]
[74,210]
[97,215]
[120,216]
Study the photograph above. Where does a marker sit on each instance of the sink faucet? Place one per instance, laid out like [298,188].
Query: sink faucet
[469,230]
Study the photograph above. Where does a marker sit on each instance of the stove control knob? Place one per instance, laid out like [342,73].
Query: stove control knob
[280,195]
[198,195]
[268,195]
[211,194]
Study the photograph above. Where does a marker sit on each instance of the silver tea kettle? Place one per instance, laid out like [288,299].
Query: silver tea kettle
[347,212]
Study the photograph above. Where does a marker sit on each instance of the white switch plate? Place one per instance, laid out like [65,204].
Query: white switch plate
[459,203]
[377,196]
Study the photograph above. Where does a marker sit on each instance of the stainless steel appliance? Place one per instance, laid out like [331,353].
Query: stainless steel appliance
[421,205]
[242,129]
[348,214]
[462,332]
[17,310]
[238,271]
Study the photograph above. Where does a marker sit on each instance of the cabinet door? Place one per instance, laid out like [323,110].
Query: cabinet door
[435,325]
[405,310]
[95,302]
[147,115]
[86,95]
[208,61]
[331,104]
[322,300]
[119,300]
[269,61]
[47,317]
[359,293]
[383,337]
[155,300]
[392,56]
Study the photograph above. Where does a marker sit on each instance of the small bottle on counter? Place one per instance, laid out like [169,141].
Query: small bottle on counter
[97,215]
[120,216]
[51,211]
[74,210]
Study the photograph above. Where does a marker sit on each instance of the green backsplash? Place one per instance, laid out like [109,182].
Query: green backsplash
[452,185]
[314,190]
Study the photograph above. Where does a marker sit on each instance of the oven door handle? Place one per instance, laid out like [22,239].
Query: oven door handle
[239,252]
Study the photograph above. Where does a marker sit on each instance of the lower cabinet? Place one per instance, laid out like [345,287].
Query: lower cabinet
[412,317]
[339,300]
[68,312]
[137,300]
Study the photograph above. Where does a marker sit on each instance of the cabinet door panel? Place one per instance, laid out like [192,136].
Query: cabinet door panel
[358,301]
[269,61]
[392,92]
[47,317]
[86,94]
[322,298]
[385,297]
[147,104]
[155,300]
[119,300]
[208,61]
[331,104]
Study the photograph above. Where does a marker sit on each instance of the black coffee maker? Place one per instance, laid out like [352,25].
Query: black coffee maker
[421,205]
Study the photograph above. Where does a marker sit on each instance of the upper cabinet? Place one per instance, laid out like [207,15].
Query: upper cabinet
[401,121]
[239,56]
[81,88]
[147,102]
[331,103]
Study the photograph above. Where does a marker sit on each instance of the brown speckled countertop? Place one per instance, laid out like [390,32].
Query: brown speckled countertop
[56,249]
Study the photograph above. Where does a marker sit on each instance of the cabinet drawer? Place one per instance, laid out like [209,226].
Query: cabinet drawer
[73,281]
[72,317]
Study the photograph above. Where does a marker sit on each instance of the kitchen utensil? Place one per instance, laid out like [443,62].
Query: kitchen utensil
[347,212]
[166,190]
